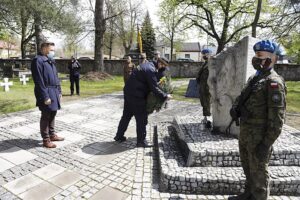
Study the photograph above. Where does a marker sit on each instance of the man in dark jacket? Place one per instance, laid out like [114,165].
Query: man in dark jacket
[74,67]
[142,80]
[47,91]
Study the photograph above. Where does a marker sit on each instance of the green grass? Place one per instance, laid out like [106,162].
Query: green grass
[293,96]
[21,97]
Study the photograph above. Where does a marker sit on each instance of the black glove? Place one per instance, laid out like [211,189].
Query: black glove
[262,151]
[234,113]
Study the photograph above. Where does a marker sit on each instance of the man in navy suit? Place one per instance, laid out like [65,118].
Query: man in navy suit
[47,91]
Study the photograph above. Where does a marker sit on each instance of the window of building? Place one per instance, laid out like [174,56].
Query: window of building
[187,56]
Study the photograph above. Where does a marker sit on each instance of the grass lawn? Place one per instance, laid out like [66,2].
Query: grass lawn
[21,97]
[293,96]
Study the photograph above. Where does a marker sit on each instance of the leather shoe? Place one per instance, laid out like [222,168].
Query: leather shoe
[48,144]
[56,138]
[144,144]
[120,139]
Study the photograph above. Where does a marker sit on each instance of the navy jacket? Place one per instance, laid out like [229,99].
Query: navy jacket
[47,84]
[142,80]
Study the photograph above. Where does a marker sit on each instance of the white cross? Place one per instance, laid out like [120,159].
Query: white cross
[24,79]
[6,84]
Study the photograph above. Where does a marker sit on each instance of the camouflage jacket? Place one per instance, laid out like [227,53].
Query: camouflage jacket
[202,75]
[266,106]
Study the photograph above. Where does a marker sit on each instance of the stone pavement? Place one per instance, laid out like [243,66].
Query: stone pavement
[88,164]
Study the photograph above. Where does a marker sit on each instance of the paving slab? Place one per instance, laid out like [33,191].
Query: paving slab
[24,130]
[65,179]
[43,191]
[70,118]
[49,171]
[11,120]
[109,193]
[4,165]
[17,155]
[22,184]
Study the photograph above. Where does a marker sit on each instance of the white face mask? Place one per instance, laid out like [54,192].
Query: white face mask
[51,54]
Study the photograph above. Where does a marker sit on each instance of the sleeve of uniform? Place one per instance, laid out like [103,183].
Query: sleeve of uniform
[78,63]
[36,69]
[152,82]
[276,110]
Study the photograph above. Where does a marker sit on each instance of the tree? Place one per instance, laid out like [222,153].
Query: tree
[148,37]
[31,18]
[173,21]
[125,24]
[216,18]
[256,18]
[292,46]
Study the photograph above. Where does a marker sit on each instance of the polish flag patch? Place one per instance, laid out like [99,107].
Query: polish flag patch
[274,85]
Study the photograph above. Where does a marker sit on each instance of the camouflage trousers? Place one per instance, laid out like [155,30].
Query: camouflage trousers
[205,99]
[255,169]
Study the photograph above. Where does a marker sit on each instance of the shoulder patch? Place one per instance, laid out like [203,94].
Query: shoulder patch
[276,98]
[274,85]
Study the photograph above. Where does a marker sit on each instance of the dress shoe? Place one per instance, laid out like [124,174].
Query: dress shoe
[144,144]
[120,139]
[48,144]
[56,138]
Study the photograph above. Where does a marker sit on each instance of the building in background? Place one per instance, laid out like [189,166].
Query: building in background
[189,51]
[8,50]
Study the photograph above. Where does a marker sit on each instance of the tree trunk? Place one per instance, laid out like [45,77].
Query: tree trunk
[257,14]
[111,38]
[99,34]
[39,37]
[221,46]
[172,46]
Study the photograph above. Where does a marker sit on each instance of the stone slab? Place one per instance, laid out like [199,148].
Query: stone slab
[71,136]
[49,171]
[201,148]
[43,191]
[70,118]
[192,89]
[109,193]
[24,130]
[12,120]
[17,155]
[65,179]
[86,152]
[4,165]
[22,184]
[176,177]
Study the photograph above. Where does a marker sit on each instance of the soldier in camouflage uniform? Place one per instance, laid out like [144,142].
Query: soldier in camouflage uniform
[203,86]
[261,115]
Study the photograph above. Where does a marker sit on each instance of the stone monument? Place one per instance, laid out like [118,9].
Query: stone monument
[228,73]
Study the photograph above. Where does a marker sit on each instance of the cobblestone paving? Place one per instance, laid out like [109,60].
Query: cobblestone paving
[88,164]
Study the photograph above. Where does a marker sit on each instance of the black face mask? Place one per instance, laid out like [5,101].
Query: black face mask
[205,57]
[257,63]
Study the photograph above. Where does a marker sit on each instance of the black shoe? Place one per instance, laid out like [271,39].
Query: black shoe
[120,139]
[244,196]
[208,124]
[144,144]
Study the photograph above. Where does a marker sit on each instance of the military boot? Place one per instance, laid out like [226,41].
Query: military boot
[56,138]
[48,144]
[244,196]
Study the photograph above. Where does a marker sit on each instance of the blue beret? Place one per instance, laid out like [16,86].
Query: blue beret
[267,45]
[205,51]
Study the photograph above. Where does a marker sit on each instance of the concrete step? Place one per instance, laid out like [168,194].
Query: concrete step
[175,177]
[202,148]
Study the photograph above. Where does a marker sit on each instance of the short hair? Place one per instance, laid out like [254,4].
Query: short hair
[47,44]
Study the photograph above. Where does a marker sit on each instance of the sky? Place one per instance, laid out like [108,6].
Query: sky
[151,5]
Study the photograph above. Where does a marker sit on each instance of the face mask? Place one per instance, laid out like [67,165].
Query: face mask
[51,54]
[205,57]
[257,63]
